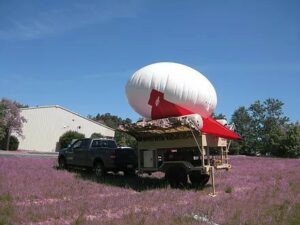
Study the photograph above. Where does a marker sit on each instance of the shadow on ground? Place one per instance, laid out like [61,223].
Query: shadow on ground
[136,182]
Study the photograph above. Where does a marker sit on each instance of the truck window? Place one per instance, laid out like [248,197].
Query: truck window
[81,144]
[77,144]
[85,143]
[104,144]
[111,144]
[98,144]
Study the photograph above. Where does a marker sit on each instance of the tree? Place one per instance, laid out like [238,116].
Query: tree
[291,144]
[219,116]
[96,135]
[13,143]
[241,120]
[11,120]
[2,129]
[67,138]
[113,121]
[263,127]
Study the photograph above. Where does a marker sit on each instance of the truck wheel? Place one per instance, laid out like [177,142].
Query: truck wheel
[177,177]
[62,164]
[198,179]
[99,169]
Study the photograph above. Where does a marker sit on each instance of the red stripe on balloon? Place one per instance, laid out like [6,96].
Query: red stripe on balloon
[162,108]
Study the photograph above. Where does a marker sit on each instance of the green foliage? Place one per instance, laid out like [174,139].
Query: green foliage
[291,143]
[218,116]
[13,143]
[67,138]
[241,118]
[20,105]
[97,135]
[265,130]
[113,121]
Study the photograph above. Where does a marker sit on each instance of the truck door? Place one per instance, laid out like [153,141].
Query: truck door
[110,150]
[104,149]
[80,151]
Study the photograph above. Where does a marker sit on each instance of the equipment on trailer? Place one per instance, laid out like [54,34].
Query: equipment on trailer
[176,147]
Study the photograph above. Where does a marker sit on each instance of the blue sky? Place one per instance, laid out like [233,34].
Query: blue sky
[79,54]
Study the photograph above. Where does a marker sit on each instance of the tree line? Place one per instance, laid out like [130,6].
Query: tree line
[113,121]
[266,130]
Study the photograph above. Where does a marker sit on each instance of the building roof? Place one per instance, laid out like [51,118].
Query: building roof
[60,107]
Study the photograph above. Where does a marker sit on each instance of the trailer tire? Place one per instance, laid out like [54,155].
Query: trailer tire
[198,179]
[176,176]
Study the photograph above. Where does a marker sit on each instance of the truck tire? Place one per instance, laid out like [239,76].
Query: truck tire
[99,170]
[62,163]
[176,176]
[198,179]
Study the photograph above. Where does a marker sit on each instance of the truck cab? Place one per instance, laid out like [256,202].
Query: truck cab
[102,154]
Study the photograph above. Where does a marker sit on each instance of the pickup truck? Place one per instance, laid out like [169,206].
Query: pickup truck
[100,155]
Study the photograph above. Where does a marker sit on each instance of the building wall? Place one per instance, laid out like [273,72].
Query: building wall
[45,125]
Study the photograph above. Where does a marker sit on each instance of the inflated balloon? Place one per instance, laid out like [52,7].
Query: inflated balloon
[159,83]
[168,89]
[195,120]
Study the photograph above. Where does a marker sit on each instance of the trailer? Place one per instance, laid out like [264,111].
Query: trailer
[176,147]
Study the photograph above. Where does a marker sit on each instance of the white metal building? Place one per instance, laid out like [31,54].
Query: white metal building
[46,124]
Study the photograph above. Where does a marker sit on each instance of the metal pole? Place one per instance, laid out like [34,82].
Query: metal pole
[227,151]
[222,155]
[139,160]
[208,156]
[212,173]
[200,149]
[202,153]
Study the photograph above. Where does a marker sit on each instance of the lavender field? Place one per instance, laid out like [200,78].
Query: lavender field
[255,191]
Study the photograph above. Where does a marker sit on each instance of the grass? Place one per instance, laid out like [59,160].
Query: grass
[228,189]
[256,191]
[6,209]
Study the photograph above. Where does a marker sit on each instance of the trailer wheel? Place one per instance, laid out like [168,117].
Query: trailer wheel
[198,179]
[176,176]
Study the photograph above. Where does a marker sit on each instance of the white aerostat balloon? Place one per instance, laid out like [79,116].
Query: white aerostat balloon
[177,83]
